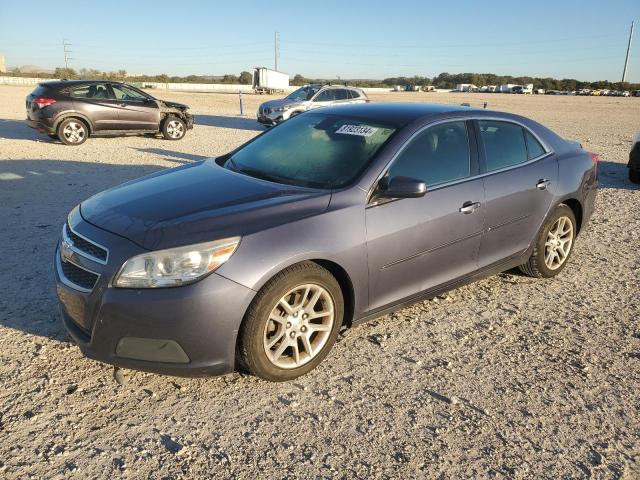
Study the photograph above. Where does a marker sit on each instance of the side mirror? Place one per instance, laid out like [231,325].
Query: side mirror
[402,187]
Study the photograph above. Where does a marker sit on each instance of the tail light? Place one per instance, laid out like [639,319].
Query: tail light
[595,158]
[42,102]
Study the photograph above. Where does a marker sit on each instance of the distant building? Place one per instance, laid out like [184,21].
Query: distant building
[466,87]
[3,67]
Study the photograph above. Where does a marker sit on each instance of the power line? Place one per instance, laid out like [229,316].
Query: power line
[67,53]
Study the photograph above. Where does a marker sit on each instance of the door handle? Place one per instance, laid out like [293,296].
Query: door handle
[469,207]
[542,184]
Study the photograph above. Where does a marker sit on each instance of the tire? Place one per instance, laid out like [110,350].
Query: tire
[538,264]
[173,128]
[634,176]
[72,131]
[53,136]
[260,332]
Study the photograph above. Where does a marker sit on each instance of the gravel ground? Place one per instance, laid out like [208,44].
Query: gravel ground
[509,377]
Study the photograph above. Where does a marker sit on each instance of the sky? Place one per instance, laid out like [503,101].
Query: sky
[331,39]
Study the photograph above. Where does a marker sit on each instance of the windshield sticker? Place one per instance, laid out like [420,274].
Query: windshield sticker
[360,130]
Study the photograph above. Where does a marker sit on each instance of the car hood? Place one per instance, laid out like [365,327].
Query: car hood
[281,103]
[198,203]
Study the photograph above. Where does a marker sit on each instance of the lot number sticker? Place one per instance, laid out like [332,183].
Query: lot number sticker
[360,130]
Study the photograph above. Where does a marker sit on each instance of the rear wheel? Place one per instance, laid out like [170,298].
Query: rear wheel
[292,323]
[173,128]
[553,245]
[72,131]
[634,176]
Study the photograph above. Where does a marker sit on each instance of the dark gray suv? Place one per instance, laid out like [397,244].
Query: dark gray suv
[72,110]
[258,257]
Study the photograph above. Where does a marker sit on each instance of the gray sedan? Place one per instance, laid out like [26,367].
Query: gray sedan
[256,259]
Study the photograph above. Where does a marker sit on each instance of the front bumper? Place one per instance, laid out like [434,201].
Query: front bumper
[186,331]
[271,118]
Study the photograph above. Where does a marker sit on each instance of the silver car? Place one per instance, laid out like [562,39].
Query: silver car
[307,98]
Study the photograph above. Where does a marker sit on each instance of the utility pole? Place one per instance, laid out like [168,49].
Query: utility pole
[276,46]
[67,54]
[626,60]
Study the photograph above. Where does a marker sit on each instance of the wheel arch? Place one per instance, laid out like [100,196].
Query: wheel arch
[576,208]
[77,115]
[346,286]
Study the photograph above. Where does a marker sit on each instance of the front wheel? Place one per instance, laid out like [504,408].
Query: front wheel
[553,245]
[292,323]
[173,128]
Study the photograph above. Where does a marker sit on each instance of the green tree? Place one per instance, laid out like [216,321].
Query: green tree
[245,78]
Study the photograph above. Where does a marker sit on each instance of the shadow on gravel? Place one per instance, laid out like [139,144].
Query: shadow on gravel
[615,175]
[240,123]
[18,130]
[173,156]
[35,197]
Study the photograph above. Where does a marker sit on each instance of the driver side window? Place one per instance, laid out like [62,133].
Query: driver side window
[122,92]
[326,96]
[438,155]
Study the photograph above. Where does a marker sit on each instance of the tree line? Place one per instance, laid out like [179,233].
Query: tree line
[444,80]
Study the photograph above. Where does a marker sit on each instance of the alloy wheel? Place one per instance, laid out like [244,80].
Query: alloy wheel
[558,244]
[299,326]
[74,132]
[175,129]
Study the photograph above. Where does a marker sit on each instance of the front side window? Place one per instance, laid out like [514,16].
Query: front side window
[354,94]
[92,91]
[312,150]
[303,94]
[438,155]
[122,92]
[504,144]
[326,96]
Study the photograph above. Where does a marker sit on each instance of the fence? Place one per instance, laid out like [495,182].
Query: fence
[200,87]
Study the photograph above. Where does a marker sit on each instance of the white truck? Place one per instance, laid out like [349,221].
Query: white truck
[266,80]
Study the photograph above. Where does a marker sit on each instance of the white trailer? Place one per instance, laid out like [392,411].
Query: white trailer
[266,80]
[505,88]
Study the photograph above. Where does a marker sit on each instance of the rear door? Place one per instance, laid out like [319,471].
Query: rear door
[96,101]
[414,244]
[135,110]
[520,179]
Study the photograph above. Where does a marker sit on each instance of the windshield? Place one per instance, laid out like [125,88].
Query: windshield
[312,150]
[303,94]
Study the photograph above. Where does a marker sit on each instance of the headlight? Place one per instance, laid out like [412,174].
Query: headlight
[175,266]
[283,108]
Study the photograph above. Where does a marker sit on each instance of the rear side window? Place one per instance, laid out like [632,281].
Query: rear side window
[354,94]
[534,149]
[342,94]
[93,90]
[440,154]
[504,144]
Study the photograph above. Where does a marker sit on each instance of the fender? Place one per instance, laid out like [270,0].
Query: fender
[72,113]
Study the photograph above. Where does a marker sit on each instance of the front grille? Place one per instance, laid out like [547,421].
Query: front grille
[78,276]
[86,246]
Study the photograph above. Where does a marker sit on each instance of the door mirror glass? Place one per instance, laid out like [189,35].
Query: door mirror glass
[402,187]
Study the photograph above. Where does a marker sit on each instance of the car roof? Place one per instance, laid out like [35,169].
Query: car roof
[397,113]
[71,83]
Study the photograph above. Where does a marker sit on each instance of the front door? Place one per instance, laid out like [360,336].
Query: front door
[415,244]
[519,185]
[135,110]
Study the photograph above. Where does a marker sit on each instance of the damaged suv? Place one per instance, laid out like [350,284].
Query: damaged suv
[72,110]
